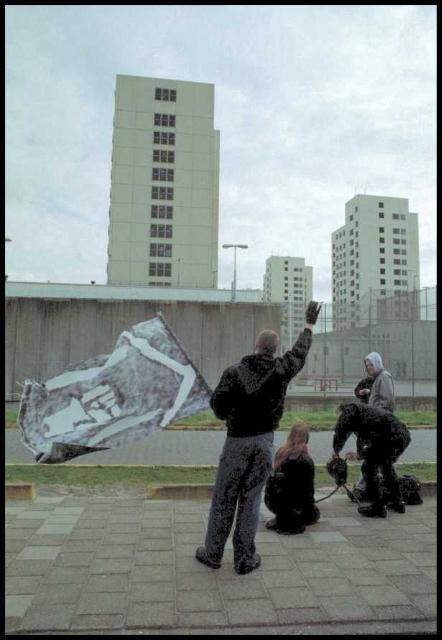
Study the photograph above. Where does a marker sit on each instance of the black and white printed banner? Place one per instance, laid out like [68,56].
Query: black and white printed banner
[113,400]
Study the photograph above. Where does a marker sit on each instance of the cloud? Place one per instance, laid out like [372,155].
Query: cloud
[314,103]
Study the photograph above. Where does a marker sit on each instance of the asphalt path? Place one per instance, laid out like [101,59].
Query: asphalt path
[204,448]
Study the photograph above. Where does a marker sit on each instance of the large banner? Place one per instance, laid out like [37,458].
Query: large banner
[113,400]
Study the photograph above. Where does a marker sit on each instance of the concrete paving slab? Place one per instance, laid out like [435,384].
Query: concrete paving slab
[39,553]
[58,594]
[101,603]
[17,605]
[22,585]
[158,614]
[152,592]
[55,617]
[96,621]
[292,597]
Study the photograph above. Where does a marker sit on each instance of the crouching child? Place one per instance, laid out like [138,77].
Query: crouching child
[289,492]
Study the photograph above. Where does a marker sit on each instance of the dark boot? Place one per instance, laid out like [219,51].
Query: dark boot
[398,506]
[373,511]
[244,567]
[201,555]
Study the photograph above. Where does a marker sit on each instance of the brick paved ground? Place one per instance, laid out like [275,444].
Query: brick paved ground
[117,565]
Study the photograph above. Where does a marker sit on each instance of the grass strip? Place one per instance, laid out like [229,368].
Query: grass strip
[104,475]
[318,420]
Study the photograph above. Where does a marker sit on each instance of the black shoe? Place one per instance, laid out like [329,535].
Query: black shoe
[290,532]
[243,568]
[201,555]
[399,506]
[271,524]
[373,511]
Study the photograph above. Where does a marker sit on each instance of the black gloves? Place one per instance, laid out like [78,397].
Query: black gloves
[312,313]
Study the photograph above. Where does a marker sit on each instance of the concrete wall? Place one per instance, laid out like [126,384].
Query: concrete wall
[43,336]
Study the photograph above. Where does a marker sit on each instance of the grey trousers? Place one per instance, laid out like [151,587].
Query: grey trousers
[244,466]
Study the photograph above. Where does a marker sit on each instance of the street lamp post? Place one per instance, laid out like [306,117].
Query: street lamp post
[235,247]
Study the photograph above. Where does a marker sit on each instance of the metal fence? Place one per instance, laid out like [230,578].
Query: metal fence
[400,327]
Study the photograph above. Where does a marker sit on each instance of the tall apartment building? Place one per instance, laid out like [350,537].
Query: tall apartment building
[163,216]
[374,255]
[289,281]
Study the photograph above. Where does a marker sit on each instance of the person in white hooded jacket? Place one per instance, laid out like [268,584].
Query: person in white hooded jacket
[380,396]
[382,391]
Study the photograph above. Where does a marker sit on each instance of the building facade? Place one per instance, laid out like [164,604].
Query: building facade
[374,255]
[163,216]
[289,281]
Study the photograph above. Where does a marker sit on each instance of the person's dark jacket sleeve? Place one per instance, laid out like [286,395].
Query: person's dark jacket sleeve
[341,436]
[224,395]
[294,359]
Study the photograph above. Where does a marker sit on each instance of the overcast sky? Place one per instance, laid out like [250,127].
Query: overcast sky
[314,104]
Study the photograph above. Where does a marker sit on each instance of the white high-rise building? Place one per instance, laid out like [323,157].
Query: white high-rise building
[163,216]
[374,255]
[288,280]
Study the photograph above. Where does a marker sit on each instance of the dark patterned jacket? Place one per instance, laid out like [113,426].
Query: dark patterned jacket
[250,395]
[380,434]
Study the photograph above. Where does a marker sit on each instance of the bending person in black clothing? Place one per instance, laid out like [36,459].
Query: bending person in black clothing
[381,439]
[250,398]
[290,490]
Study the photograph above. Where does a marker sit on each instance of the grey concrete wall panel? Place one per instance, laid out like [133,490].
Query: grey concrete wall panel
[82,328]
[10,343]
[44,336]
[27,362]
[55,337]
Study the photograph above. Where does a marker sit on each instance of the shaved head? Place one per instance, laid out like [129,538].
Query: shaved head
[267,342]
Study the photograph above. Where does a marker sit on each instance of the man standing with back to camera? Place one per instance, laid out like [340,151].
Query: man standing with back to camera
[250,398]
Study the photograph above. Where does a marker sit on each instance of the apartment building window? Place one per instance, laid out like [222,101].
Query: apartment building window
[161,211]
[403,216]
[396,261]
[403,252]
[163,156]
[160,269]
[404,283]
[164,120]
[161,250]
[404,272]
[381,205]
[382,271]
[383,292]
[397,272]
[381,229]
[396,241]
[161,231]
[165,94]
[162,137]
[397,283]
[382,240]
[162,174]
[396,231]
[351,218]
[396,252]
[382,260]
[356,223]
[351,232]
[381,214]
[403,262]
[403,241]
[356,209]
[162,193]
[382,281]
